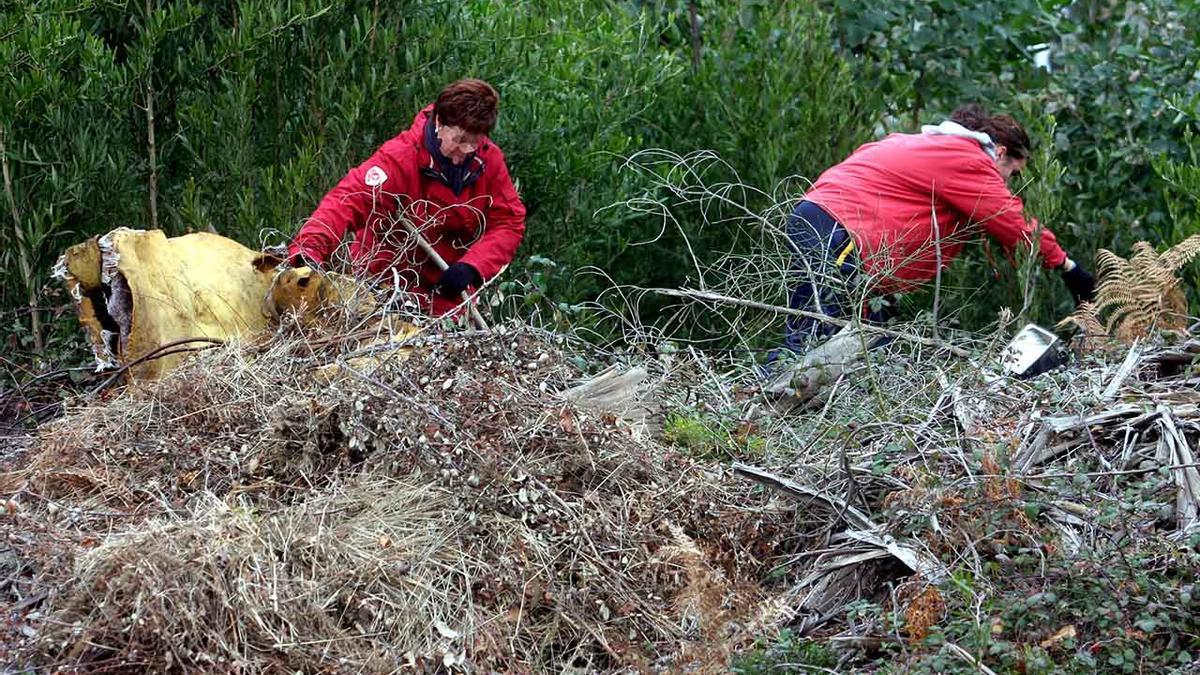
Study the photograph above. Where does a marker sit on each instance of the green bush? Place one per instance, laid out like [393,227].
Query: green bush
[709,435]
[64,152]
[1118,71]
[787,652]
[258,108]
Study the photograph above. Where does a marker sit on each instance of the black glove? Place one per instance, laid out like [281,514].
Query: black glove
[1081,283]
[455,280]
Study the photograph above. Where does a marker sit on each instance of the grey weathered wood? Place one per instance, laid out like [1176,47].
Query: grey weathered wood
[1127,367]
[820,366]
[616,390]
[1187,477]
[865,530]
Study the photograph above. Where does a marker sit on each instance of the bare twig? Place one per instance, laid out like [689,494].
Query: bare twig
[714,297]
[157,353]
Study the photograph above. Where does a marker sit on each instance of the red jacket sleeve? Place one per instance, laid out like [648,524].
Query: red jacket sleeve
[348,206]
[504,226]
[980,194]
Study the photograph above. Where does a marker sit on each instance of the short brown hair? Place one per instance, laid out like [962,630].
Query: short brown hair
[470,104]
[1003,129]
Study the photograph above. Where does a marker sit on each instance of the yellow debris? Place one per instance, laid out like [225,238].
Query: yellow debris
[137,290]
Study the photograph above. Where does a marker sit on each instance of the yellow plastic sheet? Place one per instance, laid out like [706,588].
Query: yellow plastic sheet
[137,291]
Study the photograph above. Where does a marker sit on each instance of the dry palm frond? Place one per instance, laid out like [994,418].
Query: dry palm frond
[1138,295]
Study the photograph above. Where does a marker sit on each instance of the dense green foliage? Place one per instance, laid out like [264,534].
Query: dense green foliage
[257,108]
[1121,79]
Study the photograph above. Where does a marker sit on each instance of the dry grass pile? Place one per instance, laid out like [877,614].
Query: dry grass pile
[297,506]
[274,508]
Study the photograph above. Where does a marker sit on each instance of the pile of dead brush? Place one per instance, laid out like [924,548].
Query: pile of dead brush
[439,502]
[1063,512]
[284,508]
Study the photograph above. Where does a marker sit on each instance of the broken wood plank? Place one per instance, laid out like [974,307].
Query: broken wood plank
[1127,367]
[1187,478]
[820,366]
[615,390]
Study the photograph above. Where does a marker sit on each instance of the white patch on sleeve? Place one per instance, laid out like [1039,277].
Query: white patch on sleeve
[375,176]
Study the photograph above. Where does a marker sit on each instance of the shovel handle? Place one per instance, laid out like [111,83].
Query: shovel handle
[438,260]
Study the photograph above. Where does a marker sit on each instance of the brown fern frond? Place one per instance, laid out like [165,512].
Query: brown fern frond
[1138,295]
[1110,264]
[1144,255]
[1182,253]
[1087,319]
[1093,335]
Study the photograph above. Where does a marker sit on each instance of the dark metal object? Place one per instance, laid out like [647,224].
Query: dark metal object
[1032,351]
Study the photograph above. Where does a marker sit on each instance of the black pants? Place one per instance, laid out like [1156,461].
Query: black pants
[825,267]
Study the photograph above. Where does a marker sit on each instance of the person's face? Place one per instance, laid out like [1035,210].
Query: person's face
[1008,166]
[457,144]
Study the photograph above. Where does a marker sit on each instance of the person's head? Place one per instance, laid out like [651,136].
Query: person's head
[464,112]
[1012,143]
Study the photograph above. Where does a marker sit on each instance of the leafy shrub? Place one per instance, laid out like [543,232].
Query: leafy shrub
[706,435]
[259,108]
[785,651]
[1118,71]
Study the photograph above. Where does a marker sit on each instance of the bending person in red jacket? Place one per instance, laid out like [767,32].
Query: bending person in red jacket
[446,178]
[897,208]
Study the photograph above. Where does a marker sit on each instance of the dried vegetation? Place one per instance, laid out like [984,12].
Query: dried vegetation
[258,511]
[337,504]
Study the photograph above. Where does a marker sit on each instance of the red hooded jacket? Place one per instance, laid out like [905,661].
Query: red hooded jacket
[900,196]
[482,226]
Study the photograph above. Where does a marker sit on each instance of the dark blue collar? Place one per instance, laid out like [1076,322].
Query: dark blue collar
[457,177]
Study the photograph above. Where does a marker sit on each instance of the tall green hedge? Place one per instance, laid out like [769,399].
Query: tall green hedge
[1111,108]
[257,108]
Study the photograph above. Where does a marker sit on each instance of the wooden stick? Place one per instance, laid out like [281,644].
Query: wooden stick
[441,263]
[715,297]
[151,148]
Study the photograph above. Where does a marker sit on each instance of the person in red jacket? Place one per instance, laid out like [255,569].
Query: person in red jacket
[446,177]
[897,208]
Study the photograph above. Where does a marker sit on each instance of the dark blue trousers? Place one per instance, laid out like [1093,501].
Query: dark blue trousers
[824,270]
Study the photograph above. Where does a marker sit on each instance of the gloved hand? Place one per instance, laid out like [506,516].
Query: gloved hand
[1079,281]
[455,280]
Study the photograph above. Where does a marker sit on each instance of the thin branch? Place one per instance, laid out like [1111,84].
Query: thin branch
[937,282]
[158,353]
[725,299]
[152,188]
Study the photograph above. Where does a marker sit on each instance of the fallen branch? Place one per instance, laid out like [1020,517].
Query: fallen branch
[728,300]
[821,365]
[966,656]
[158,353]
[852,515]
